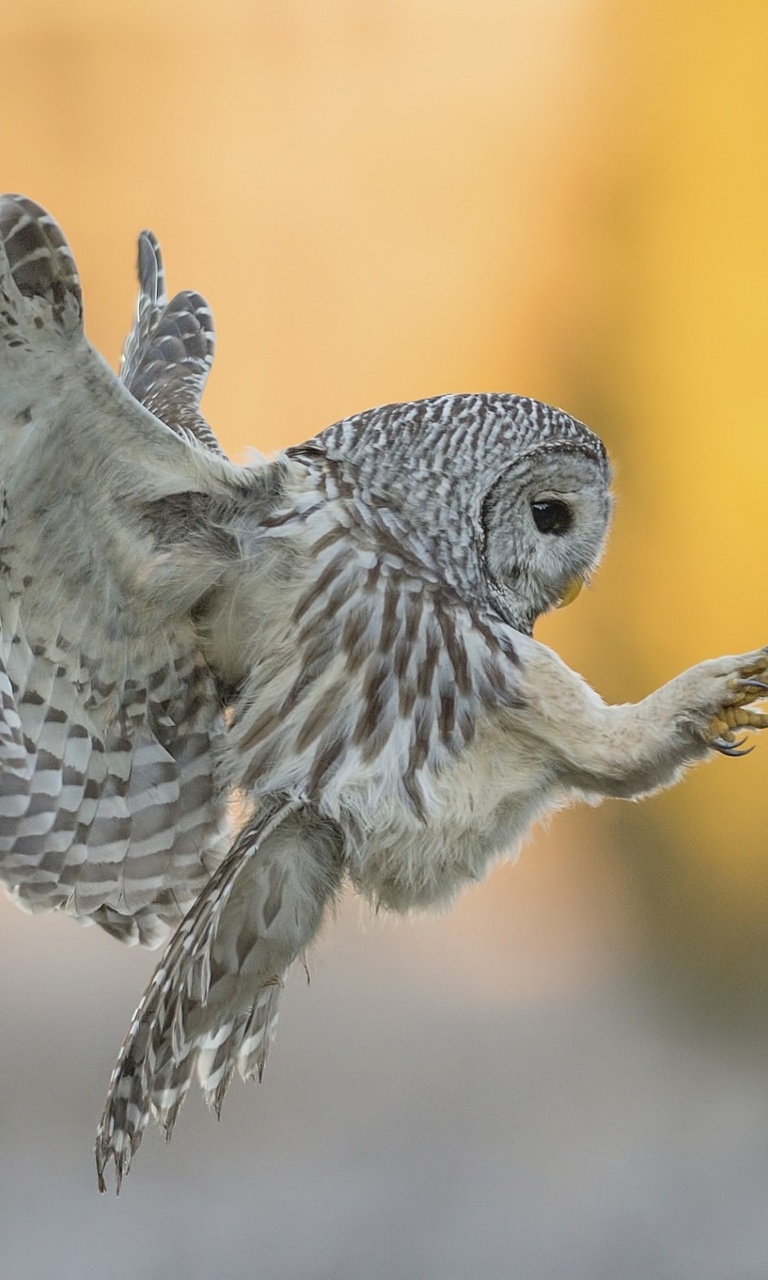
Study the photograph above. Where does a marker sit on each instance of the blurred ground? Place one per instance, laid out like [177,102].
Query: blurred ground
[473,1098]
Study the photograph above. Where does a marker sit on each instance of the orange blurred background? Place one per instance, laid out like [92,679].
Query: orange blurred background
[382,201]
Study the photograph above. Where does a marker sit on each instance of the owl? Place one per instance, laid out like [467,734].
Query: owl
[226,692]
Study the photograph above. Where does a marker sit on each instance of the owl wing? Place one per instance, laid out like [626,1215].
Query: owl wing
[110,719]
[169,352]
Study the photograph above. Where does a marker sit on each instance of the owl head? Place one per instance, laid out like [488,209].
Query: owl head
[543,526]
[506,498]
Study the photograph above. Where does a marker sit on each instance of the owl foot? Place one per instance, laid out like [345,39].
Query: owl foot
[745,688]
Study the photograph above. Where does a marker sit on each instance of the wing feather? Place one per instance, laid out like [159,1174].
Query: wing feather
[169,352]
[150,303]
[110,717]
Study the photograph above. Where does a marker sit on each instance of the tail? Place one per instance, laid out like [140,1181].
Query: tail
[211,1006]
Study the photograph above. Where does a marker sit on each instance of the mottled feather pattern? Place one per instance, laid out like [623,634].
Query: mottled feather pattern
[168,354]
[212,1005]
[339,640]
[43,270]
[447,451]
[390,670]
[150,303]
[107,803]
[154,594]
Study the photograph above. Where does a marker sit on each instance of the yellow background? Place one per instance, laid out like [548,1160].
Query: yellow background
[382,201]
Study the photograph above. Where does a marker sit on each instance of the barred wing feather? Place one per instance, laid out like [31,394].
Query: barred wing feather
[110,720]
[169,352]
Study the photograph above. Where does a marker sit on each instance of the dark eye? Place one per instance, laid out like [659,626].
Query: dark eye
[551,516]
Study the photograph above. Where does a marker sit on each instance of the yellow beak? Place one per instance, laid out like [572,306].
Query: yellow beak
[571,592]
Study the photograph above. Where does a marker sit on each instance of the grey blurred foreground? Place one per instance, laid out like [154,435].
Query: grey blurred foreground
[491,1095]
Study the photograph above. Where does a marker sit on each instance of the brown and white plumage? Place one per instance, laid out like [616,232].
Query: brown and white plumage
[341,638]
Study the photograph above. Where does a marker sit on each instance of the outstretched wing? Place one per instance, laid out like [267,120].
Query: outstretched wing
[110,720]
[169,352]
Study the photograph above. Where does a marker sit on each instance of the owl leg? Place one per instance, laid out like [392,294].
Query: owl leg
[211,1006]
[630,750]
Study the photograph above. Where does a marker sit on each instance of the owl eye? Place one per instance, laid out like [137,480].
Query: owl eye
[551,516]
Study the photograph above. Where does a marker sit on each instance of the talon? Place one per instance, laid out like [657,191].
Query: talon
[751,683]
[731,748]
[757,668]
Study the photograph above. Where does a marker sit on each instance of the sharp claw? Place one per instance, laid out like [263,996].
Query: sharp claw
[750,683]
[732,749]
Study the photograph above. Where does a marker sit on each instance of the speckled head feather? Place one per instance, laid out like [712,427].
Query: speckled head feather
[424,468]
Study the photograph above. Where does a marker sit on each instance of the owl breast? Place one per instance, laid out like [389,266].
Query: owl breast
[378,693]
[479,808]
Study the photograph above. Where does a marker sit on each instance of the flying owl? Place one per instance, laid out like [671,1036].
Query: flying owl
[226,692]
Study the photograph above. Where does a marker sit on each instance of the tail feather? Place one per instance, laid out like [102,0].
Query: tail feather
[211,1007]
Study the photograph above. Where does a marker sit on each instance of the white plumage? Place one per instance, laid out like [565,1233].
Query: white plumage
[341,638]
